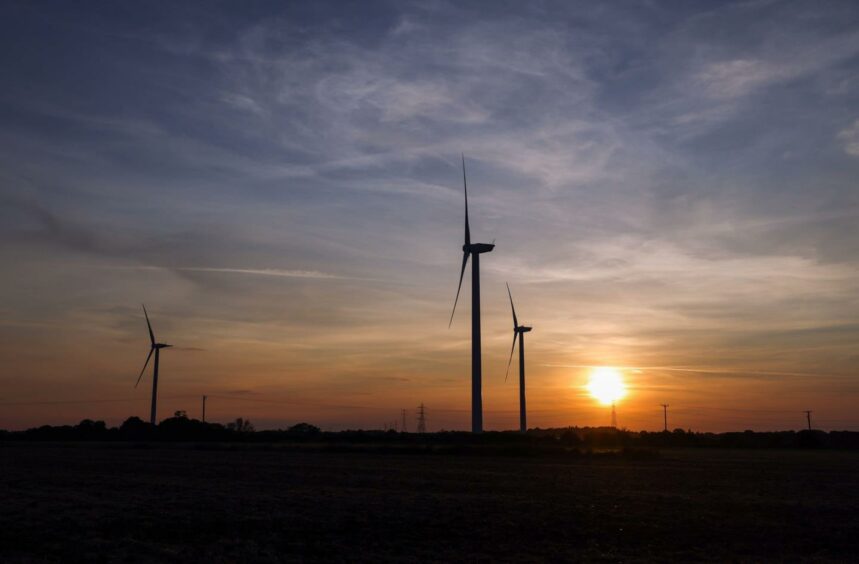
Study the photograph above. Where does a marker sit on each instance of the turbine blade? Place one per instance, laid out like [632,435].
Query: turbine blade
[145,364]
[149,325]
[515,322]
[458,288]
[511,357]
[465,189]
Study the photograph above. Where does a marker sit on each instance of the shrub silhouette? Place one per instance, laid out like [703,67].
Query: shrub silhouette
[303,429]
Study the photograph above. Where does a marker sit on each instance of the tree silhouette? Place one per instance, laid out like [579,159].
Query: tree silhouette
[241,426]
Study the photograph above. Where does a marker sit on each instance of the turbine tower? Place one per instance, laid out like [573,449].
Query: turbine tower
[518,332]
[156,348]
[808,417]
[475,250]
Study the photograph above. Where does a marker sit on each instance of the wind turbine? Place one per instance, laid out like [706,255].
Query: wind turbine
[474,250]
[156,348]
[518,331]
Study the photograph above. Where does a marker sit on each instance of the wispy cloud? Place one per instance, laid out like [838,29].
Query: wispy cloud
[850,137]
[251,271]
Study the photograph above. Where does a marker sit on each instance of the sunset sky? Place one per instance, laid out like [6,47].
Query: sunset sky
[671,186]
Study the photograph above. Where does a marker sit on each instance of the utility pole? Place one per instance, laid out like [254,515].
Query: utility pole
[665,416]
[613,417]
[422,420]
[204,409]
[405,429]
[808,417]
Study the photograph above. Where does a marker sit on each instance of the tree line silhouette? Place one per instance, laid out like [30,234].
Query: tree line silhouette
[180,428]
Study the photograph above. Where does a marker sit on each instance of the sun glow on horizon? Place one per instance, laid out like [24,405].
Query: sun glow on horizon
[606,385]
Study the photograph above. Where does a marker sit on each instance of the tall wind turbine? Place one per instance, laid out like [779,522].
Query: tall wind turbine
[156,348]
[518,331]
[474,250]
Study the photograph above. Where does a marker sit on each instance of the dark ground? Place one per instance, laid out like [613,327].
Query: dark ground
[243,503]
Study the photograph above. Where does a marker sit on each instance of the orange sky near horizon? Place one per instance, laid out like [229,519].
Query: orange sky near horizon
[355,381]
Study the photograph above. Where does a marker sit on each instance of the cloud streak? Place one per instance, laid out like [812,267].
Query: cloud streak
[312,274]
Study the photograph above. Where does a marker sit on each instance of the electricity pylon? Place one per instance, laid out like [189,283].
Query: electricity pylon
[422,420]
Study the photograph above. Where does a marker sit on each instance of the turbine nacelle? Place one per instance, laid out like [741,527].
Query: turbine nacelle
[478,248]
[161,346]
[522,329]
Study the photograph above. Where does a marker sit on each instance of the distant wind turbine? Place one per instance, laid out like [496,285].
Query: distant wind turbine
[518,332]
[474,250]
[156,348]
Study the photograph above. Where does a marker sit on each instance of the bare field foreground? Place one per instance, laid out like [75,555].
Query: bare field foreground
[252,503]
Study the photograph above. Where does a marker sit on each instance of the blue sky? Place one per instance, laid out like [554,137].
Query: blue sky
[671,187]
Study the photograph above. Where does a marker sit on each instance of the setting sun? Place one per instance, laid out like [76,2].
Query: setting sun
[606,384]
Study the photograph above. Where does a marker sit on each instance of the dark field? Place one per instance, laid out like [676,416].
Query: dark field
[120,503]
